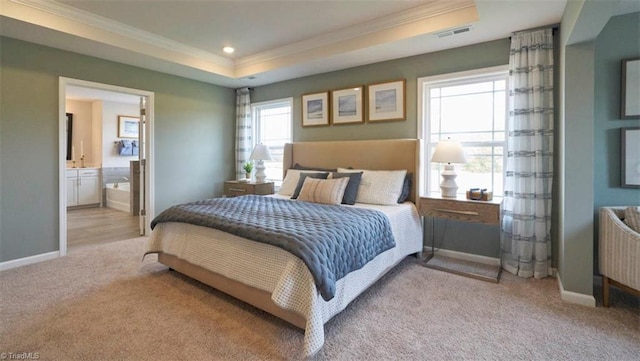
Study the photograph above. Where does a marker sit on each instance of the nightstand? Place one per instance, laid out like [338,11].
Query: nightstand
[236,188]
[464,210]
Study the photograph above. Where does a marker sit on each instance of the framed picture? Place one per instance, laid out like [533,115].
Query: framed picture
[346,106]
[630,90]
[315,109]
[386,101]
[630,146]
[128,126]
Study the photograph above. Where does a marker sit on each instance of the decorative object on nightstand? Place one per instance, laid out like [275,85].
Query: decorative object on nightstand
[260,154]
[477,194]
[248,167]
[448,151]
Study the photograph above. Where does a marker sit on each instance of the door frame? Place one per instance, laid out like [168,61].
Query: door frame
[63,82]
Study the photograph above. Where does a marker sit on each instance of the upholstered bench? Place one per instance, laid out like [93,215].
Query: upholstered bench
[619,249]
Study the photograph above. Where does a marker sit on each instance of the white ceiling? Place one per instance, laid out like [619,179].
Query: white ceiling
[274,40]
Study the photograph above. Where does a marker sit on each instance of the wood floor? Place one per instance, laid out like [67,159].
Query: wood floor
[94,226]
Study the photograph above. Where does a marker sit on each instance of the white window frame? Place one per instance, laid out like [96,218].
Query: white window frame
[256,124]
[450,79]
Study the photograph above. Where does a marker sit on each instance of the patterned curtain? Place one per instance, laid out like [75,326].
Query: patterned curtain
[244,131]
[526,219]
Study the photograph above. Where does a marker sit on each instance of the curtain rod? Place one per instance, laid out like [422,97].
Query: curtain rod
[553,26]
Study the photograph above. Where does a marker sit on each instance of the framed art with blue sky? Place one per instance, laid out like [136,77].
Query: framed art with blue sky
[128,126]
[315,109]
[346,106]
[386,101]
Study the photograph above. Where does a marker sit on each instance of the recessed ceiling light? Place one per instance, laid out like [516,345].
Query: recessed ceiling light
[228,49]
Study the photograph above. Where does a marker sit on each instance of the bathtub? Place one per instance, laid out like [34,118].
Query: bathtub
[118,197]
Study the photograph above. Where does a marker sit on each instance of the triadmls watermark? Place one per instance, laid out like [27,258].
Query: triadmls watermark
[19,355]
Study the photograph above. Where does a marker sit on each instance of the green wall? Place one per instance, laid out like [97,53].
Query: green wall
[194,130]
[620,39]
[457,236]
[465,58]
[593,43]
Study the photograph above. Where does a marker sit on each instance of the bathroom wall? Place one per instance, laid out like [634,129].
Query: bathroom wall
[110,113]
[82,129]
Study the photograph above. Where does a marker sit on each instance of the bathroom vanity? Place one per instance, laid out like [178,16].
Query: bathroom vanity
[83,187]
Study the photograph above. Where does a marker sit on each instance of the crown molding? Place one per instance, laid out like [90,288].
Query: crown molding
[425,12]
[436,15]
[77,15]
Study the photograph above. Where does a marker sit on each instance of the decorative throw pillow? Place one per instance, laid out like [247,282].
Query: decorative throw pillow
[632,218]
[406,188]
[304,176]
[351,192]
[326,191]
[290,181]
[379,186]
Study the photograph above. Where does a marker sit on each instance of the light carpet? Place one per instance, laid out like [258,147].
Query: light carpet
[105,303]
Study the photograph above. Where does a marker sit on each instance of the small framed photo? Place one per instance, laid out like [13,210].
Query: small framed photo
[315,109]
[386,101]
[630,157]
[128,126]
[630,89]
[347,106]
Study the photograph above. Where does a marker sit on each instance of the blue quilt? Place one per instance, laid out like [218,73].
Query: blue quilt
[331,240]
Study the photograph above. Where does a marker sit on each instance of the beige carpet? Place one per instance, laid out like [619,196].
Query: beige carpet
[104,303]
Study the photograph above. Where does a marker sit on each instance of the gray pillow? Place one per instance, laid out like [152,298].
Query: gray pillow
[351,191]
[406,188]
[304,176]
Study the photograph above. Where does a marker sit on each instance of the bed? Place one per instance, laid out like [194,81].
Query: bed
[275,280]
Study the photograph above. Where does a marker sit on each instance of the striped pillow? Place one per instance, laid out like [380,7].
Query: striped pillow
[326,191]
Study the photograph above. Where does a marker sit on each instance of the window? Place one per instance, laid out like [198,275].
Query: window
[470,107]
[272,127]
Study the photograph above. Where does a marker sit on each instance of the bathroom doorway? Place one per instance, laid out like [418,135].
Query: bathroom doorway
[105,193]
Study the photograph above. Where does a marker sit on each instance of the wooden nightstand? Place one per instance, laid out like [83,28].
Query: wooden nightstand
[460,209]
[235,188]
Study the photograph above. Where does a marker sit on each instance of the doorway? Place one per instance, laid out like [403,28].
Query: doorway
[110,152]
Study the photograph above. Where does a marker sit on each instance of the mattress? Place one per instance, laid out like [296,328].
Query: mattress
[283,275]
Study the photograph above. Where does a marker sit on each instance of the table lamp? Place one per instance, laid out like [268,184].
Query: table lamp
[260,153]
[448,151]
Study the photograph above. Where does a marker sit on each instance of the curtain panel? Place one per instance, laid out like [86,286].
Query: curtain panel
[244,130]
[526,219]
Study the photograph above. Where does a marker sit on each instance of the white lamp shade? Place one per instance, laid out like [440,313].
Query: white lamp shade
[261,152]
[448,151]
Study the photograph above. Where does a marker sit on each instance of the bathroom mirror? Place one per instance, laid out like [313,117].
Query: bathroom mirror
[69,135]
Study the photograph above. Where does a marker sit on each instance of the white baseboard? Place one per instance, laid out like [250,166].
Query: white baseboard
[466,256]
[29,260]
[574,297]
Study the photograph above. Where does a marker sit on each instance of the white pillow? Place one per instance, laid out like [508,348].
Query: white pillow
[379,186]
[290,181]
[326,191]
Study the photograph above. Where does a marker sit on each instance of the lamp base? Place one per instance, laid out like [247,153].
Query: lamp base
[260,174]
[448,186]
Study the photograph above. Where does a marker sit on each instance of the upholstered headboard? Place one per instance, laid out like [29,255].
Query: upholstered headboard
[387,154]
